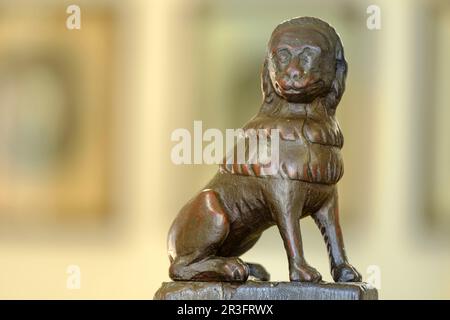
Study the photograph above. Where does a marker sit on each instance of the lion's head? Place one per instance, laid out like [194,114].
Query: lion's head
[304,61]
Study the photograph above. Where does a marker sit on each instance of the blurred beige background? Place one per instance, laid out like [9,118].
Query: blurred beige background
[86,117]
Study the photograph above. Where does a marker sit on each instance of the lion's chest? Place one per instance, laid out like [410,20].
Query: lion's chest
[325,132]
[308,150]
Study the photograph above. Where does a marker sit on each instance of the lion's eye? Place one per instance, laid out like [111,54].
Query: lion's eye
[283,55]
[308,56]
[305,60]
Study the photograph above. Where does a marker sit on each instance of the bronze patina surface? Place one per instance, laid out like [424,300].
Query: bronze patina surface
[303,79]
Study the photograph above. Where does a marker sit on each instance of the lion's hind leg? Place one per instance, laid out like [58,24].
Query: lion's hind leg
[258,272]
[210,269]
[195,238]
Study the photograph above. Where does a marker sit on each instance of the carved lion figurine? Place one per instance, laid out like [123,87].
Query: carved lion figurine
[303,79]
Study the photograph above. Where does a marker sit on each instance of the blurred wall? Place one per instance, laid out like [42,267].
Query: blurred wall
[173,62]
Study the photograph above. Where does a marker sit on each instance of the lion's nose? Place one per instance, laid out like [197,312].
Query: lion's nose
[293,73]
[293,78]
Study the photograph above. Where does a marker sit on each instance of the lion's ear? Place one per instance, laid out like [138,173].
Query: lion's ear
[266,83]
[338,85]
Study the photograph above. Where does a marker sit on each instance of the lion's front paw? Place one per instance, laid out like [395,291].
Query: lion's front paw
[345,273]
[305,273]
